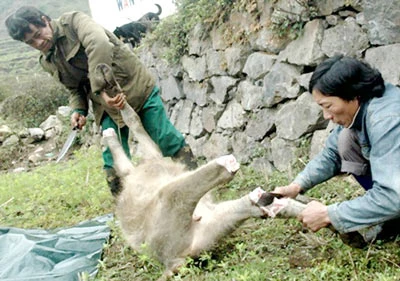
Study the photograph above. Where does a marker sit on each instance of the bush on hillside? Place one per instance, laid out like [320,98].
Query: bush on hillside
[173,31]
[34,102]
[10,155]
[3,95]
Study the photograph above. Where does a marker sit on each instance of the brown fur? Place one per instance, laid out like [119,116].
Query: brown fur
[169,208]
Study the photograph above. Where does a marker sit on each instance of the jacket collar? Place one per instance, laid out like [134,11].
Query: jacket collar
[359,116]
[57,33]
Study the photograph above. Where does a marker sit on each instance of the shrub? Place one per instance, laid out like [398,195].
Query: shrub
[173,31]
[36,100]
[5,91]
[9,155]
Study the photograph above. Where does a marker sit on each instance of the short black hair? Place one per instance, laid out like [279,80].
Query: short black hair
[347,78]
[18,23]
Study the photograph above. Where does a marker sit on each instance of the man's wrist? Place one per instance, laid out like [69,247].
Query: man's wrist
[80,111]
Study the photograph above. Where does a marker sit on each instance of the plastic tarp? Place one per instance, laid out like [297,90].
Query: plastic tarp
[57,255]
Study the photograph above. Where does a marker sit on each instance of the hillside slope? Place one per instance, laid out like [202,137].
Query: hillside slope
[17,60]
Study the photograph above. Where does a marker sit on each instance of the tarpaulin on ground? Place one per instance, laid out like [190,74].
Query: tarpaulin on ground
[57,255]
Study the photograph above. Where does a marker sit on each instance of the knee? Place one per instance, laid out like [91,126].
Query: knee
[348,146]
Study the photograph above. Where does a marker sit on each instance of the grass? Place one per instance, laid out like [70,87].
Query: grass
[65,194]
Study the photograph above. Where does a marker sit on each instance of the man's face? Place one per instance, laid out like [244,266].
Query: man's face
[338,110]
[40,37]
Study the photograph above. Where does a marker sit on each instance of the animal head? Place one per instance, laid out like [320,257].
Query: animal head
[117,32]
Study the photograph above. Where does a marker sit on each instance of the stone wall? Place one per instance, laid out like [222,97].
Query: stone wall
[251,99]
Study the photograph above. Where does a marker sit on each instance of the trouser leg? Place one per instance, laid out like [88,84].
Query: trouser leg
[353,162]
[390,230]
[163,133]
[185,156]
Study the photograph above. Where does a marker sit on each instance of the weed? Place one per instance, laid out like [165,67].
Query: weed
[287,24]
[65,194]
[173,32]
[35,101]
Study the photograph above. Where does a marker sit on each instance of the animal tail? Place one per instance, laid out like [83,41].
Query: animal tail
[159,10]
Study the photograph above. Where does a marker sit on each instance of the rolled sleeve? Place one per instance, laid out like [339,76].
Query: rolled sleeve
[334,218]
[324,166]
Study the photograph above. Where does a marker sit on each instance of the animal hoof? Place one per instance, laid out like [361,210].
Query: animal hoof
[109,132]
[268,202]
[262,198]
[257,197]
[229,162]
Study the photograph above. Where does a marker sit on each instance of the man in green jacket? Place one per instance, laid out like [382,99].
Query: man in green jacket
[71,47]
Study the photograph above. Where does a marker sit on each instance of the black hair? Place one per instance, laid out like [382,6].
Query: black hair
[18,23]
[347,78]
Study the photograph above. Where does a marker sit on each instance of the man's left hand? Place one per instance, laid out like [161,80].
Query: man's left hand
[315,216]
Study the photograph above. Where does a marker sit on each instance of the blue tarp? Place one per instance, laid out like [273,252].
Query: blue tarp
[56,255]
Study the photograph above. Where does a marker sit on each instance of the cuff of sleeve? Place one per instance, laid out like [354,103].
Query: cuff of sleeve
[302,181]
[334,218]
[80,111]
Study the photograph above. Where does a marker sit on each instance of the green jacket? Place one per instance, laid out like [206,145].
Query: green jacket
[79,45]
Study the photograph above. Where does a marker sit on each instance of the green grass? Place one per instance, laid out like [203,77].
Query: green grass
[65,194]
[55,195]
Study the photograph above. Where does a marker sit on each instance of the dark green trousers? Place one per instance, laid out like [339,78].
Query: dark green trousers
[155,122]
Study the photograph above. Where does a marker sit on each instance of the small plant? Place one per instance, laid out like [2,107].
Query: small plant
[4,92]
[261,249]
[35,101]
[9,155]
[288,24]
[173,32]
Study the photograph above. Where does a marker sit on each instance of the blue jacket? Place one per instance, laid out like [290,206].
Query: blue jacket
[378,127]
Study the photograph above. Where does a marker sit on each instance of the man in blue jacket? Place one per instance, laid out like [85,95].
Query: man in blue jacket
[365,144]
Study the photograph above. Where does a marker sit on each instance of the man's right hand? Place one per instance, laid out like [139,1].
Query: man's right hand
[291,190]
[78,120]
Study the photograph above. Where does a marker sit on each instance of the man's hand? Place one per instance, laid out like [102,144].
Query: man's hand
[78,120]
[291,190]
[315,216]
[117,102]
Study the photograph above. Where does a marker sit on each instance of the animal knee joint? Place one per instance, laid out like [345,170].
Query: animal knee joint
[109,132]
[229,162]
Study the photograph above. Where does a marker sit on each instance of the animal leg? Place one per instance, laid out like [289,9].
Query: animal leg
[179,198]
[130,117]
[122,163]
[284,207]
[220,221]
[188,188]
[227,216]
[132,120]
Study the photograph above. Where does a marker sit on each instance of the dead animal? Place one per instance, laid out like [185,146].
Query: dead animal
[170,209]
